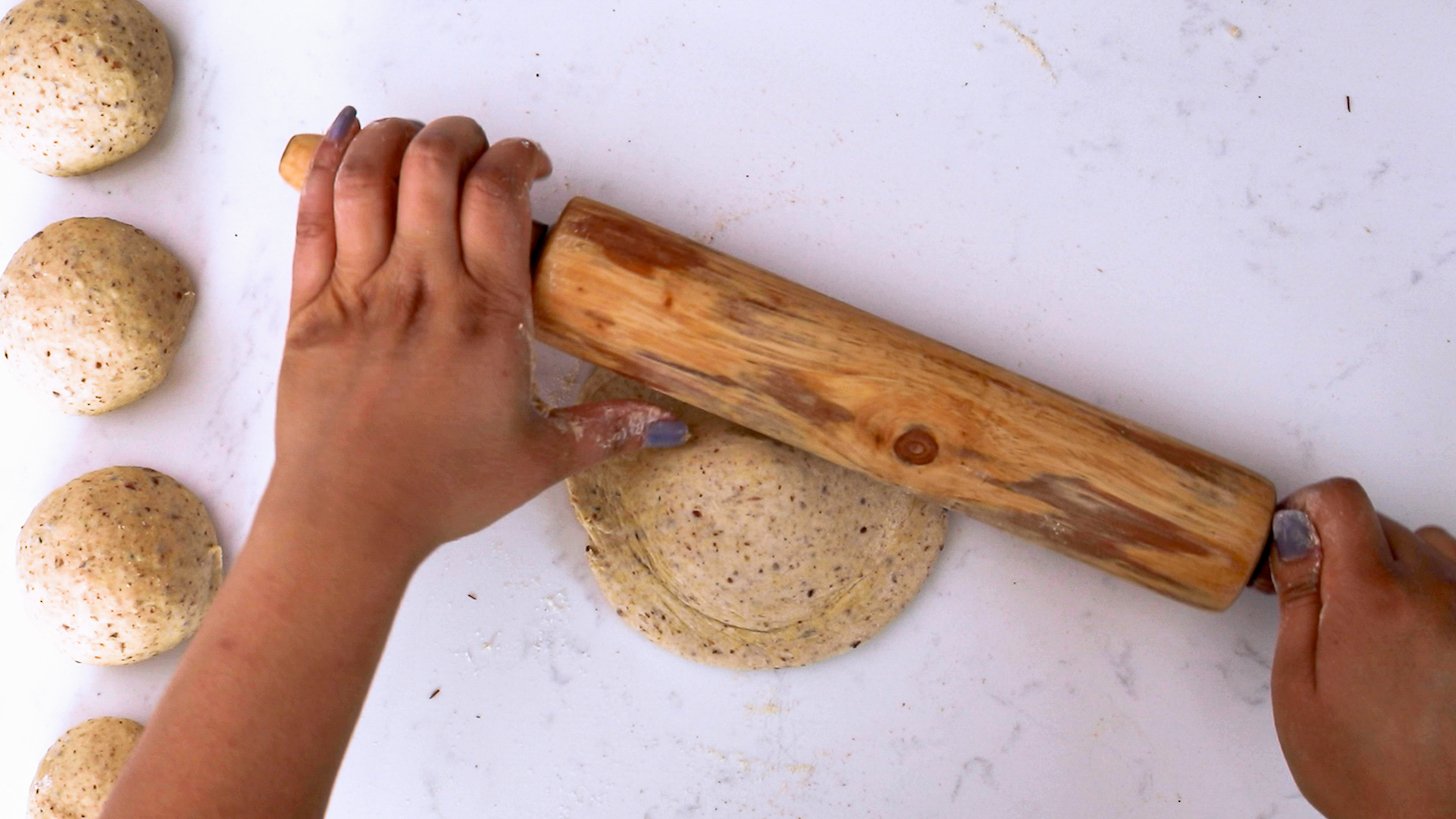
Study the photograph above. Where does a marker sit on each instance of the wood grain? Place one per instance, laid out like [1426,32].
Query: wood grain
[857,390]
[297,157]
[821,375]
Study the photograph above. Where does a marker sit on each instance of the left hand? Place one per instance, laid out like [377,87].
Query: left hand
[405,393]
[1364,678]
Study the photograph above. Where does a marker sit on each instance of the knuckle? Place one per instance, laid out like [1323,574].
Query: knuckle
[311,227]
[1345,489]
[393,124]
[489,313]
[496,183]
[1301,591]
[360,179]
[394,299]
[433,149]
[310,329]
[462,125]
[1329,496]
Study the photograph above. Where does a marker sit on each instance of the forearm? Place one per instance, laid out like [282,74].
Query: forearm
[405,419]
[257,718]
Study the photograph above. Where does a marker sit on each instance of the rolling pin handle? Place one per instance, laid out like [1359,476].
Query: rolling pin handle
[765,353]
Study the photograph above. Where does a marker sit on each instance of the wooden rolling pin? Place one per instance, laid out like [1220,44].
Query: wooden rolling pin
[823,376]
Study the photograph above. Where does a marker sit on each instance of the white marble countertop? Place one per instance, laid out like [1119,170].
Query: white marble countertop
[1233,221]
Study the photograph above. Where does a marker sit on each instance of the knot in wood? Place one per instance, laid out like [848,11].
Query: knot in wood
[916,447]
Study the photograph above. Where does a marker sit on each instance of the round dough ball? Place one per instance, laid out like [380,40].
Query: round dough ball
[119,564]
[739,551]
[78,771]
[92,312]
[83,83]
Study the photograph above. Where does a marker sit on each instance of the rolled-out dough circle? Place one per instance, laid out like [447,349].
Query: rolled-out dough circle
[119,565]
[83,83]
[92,312]
[739,551]
[77,773]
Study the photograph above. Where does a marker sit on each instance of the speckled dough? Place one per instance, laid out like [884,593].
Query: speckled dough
[77,773]
[83,83]
[119,565]
[739,551]
[92,312]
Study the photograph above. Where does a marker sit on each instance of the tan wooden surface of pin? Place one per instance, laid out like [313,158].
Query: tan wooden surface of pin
[821,375]
[297,157]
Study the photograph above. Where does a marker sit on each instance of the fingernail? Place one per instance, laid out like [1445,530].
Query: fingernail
[342,123]
[1294,534]
[664,434]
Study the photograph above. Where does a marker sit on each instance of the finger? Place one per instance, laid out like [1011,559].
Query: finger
[495,221]
[366,191]
[1438,539]
[428,224]
[1407,549]
[314,243]
[583,436]
[1355,549]
[1296,563]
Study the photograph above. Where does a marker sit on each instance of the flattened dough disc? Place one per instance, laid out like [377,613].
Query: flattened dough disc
[739,551]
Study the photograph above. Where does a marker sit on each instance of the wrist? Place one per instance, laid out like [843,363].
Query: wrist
[332,520]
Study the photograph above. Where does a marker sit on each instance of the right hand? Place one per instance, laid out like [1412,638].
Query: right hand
[1364,677]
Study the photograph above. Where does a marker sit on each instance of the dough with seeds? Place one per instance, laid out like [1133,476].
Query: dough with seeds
[739,551]
[92,312]
[83,83]
[77,773]
[119,565]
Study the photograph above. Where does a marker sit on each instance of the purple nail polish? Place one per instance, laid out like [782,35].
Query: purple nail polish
[1294,534]
[664,434]
[342,123]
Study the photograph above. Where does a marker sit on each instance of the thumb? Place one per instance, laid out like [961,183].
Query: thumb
[1296,570]
[588,434]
